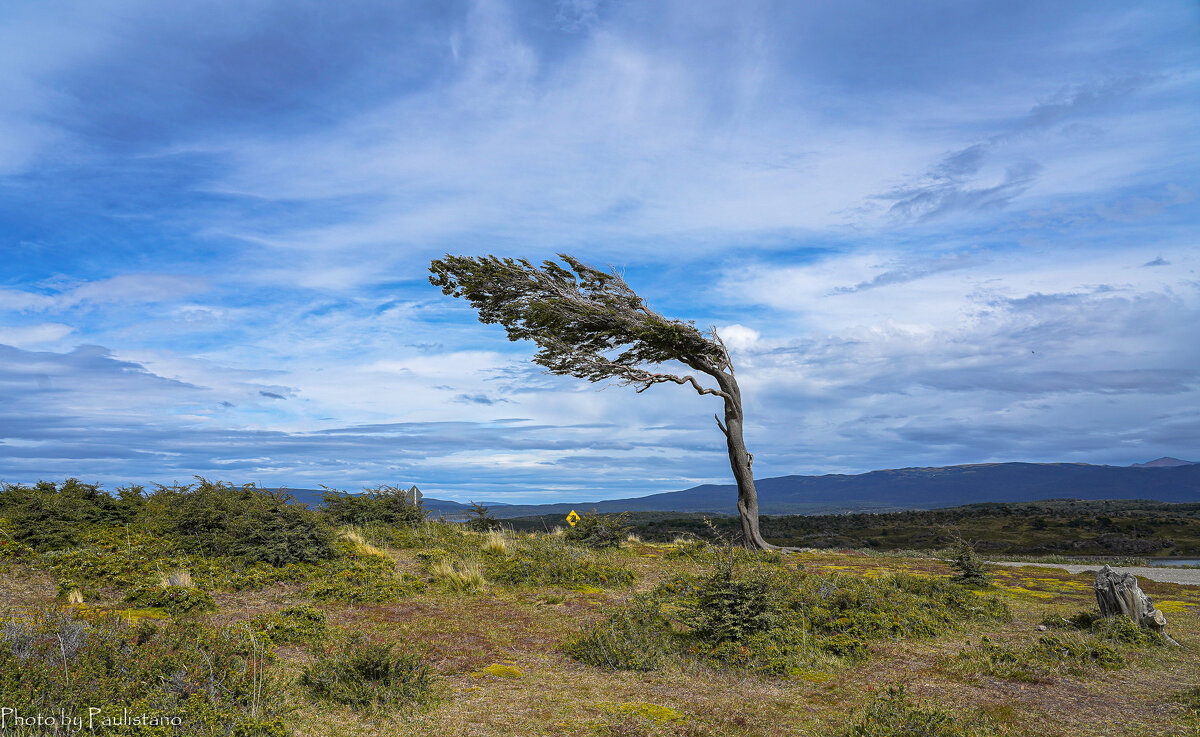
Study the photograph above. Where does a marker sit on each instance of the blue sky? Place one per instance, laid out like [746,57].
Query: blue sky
[933,233]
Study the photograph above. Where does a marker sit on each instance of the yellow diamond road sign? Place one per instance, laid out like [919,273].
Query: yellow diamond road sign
[572,518]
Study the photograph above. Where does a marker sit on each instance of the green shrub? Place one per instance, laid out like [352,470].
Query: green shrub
[543,560]
[245,523]
[1039,661]
[972,570]
[630,638]
[771,619]
[729,609]
[594,530]
[1121,630]
[174,599]
[366,580]
[893,713]
[369,677]
[214,680]
[383,505]
[12,549]
[292,625]
[480,520]
[49,516]
[891,606]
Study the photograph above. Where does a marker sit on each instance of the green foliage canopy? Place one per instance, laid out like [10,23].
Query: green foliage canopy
[586,323]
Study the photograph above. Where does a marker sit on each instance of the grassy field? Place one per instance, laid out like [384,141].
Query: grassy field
[495,654]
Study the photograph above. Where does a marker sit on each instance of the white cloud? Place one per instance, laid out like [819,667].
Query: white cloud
[28,336]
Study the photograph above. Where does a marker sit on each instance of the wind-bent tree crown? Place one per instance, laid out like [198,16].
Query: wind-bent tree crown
[586,323]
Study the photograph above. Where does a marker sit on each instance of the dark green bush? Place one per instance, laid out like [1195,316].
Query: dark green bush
[599,530]
[893,713]
[292,625]
[364,580]
[245,523]
[774,620]
[174,599]
[369,677]
[630,638]
[725,608]
[480,520]
[539,559]
[214,680]
[972,570]
[383,505]
[49,516]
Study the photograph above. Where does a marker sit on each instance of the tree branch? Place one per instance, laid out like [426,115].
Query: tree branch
[647,379]
[718,419]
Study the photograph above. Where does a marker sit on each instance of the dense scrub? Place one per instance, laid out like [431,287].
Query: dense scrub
[216,681]
[370,676]
[770,618]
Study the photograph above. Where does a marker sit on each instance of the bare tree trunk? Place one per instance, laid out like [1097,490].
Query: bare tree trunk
[741,461]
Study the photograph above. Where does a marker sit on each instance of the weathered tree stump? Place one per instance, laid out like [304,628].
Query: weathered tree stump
[1118,594]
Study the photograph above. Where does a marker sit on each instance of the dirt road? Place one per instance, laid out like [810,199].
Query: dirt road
[1185,576]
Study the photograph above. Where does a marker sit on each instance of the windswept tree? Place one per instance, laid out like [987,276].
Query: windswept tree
[591,325]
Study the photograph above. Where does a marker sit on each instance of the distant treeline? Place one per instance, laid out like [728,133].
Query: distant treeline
[1057,526]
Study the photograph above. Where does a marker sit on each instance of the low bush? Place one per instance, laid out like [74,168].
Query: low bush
[359,581]
[382,505]
[594,530]
[894,713]
[246,523]
[633,638]
[771,619]
[50,516]
[1039,661]
[1120,630]
[174,599]
[292,625]
[545,560]
[1123,630]
[370,677]
[481,520]
[214,681]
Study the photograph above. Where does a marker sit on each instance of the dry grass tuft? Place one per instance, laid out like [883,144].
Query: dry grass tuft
[360,545]
[180,577]
[465,577]
[496,542]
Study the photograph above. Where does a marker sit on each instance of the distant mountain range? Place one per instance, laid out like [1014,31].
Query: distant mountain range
[1164,479]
